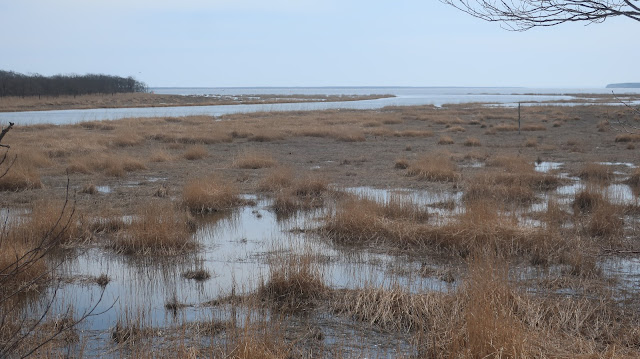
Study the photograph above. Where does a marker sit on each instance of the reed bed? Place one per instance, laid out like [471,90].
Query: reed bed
[158,228]
[210,194]
[435,167]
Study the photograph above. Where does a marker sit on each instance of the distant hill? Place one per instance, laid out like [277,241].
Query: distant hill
[627,85]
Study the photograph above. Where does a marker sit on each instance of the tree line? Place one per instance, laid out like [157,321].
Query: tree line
[17,84]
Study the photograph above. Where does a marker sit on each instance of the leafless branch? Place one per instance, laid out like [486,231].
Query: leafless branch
[520,15]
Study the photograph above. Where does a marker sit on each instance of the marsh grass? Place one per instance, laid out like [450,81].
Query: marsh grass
[446,140]
[472,142]
[158,228]
[482,225]
[253,159]
[196,152]
[435,167]
[210,194]
[596,172]
[295,283]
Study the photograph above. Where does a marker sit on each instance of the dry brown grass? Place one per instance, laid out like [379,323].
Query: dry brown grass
[160,156]
[446,140]
[488,317]
[20,178]
[252,159]
[472,142]
[196,152]
[210,194]
[434,167]
[294,284]
[628,137]
[276,179]
[413,133]
[126,138]
[158,227]
[533,127]
[505,127]
[401,163]
[531,142]
[456,129]
[481,227]
[596,172]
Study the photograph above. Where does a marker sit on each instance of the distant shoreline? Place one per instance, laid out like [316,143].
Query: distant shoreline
[626,85]
[139,100]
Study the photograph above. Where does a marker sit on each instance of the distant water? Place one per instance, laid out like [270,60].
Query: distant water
[405,96]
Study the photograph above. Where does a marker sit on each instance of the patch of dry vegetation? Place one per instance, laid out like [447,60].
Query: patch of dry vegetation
[446,140]
[434,167]
[210,194]
[252,159]
[487,317]
[196,152]
[159,228]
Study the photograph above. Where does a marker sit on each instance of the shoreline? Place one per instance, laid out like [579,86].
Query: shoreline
[150,100]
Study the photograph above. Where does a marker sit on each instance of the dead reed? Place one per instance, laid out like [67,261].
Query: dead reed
[435,167]
[196,152]
[596,172]
[294,284]
[158,228]
[252,159]
[210,194]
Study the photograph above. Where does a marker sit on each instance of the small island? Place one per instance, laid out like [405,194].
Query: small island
[628,85]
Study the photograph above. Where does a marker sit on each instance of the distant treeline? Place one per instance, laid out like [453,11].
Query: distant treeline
[16,84]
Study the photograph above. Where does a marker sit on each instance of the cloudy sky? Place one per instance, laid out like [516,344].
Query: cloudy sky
[206,43]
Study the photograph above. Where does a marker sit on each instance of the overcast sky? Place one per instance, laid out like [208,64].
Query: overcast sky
[211,43]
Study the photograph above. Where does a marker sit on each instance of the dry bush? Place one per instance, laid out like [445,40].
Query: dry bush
[210,194]
[276,179]
[445,140]
[533,127]
[251,159]
[531,142]
[587,200]
[596,172]
[556,123]
[294,284]
[158,228]
[196,152]
[435,167]
[472,142]
[488,186]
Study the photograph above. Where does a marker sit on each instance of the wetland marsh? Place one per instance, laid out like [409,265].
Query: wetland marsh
[415,231]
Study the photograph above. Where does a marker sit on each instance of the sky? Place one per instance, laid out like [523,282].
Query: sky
[250,43]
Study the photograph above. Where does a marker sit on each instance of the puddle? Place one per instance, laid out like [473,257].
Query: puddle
[103,189]
[625,164]
[617,193]
[546,167]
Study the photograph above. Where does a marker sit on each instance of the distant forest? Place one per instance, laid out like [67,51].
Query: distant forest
[16,84]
